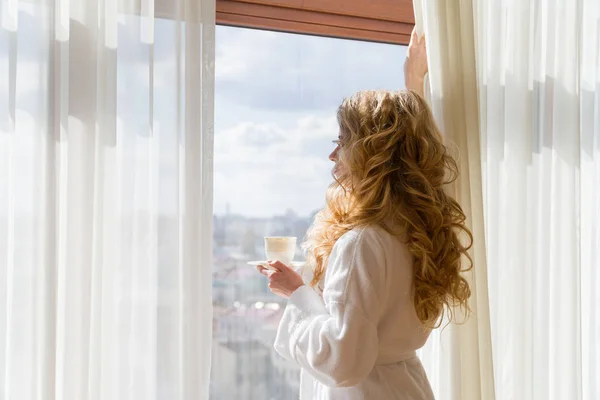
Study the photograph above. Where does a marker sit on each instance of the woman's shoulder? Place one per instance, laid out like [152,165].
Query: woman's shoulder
[366,232]
[366,235]
[373,239]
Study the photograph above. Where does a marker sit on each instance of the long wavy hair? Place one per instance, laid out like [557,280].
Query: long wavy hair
[396,168]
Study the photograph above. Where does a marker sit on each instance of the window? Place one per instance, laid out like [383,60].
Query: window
[275,117]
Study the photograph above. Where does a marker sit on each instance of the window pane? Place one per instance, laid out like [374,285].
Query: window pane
[275,117]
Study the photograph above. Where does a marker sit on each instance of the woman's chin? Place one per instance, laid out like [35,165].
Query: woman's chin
[338,175]
[337,171]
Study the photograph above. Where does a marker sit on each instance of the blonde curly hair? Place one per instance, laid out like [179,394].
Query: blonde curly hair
[395,169]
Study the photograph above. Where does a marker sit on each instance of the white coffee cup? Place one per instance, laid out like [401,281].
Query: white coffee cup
[280,248]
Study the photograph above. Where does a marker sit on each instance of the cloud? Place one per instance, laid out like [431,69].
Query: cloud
[258,136]
[266,178]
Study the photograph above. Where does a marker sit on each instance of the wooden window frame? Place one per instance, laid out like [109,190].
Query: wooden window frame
[387,21]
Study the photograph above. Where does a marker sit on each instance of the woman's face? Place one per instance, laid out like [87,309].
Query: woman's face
[338,168]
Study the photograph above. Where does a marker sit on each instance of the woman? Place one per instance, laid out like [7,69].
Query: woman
[385,251]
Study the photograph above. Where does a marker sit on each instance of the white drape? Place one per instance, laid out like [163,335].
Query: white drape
[105,199]
[538,68]
[538,80]
[458,358]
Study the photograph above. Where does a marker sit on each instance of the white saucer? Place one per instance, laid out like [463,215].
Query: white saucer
[294,264]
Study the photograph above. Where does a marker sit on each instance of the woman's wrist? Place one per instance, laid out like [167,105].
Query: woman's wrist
[295,290]
[415,83]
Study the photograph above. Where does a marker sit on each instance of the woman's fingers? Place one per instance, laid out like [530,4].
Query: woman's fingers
[264,271]
[414,36]
[416,39]
[278,265]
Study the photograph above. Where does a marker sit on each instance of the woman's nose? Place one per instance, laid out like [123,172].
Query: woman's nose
[334,155]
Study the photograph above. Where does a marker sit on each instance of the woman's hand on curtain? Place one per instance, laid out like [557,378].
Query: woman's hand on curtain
[415,65]
[283,281]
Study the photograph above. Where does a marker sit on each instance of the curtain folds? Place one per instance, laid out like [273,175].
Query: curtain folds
[106,128]
[539,81]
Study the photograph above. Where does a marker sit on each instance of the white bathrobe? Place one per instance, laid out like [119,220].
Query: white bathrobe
[358,340]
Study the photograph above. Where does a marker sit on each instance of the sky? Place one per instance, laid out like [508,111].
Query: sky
[276,96]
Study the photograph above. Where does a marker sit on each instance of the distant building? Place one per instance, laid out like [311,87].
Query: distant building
[240,370]
[243,354]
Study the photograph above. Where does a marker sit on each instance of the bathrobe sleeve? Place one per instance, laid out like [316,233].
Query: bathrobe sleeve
[335,338]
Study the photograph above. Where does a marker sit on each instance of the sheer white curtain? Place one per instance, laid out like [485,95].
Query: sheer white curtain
[105,199]
[538,68]
[538,82]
